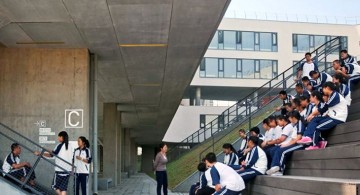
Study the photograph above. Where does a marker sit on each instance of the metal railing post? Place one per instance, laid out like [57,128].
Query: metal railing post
[284,82]
[250,117]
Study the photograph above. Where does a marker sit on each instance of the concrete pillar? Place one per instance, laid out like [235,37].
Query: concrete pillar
[147,157]
[198,96]
[129,153]
[112,143]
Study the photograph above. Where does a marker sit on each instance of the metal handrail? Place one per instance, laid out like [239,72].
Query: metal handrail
[23,184]
[325,49]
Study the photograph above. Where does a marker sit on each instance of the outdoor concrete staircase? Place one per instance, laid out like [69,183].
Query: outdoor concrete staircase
[334,170]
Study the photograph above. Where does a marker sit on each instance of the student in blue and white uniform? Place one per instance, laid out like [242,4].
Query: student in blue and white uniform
[337,108]
[344,90]
[282,153]
[230,157]
[255,163]
[13,167]
[301,91]
[271,136]
[63,161]
[350,71]
[346,58]
[308,107]
[320,78]
[308,83]
[82,159]
[243,145]
[225,179]
[306,67]
[204,187]
[255,131]
[286,99]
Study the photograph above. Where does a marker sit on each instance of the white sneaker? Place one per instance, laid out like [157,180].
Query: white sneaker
[273,170]
[277,174]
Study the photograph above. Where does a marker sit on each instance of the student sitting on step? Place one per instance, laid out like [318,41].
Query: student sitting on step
[308,107]
[243,145]
[301,91]
[308,83]
[255,131]
[289,108]
[320,78]
[204,187]
[255,162]
[337,109]
[346,58]
[343,89]
[285,150]
[225,179]
[272,133]
[350,71]
[230,158]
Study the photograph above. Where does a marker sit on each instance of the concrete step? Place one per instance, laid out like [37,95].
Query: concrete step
[340,161]
[345,133]
[299,185]
[354,108]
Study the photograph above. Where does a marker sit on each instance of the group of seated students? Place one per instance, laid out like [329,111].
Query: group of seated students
[321,102]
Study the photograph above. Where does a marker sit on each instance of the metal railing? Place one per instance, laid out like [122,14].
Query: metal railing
[43,181]
[286,17]
[259,103]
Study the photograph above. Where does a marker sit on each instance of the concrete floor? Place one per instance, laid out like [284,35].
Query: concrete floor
[139,184]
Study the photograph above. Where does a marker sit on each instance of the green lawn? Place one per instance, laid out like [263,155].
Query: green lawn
[186,165]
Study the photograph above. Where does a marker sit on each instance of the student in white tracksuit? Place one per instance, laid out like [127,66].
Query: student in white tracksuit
[225,179]
[82,159]
[63,161]
[230,158]
[255,162]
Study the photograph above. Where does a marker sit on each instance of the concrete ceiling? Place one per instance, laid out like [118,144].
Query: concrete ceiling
[148,50]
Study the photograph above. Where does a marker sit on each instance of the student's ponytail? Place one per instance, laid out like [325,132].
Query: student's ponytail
[65,136]
[229,146]
[85,141]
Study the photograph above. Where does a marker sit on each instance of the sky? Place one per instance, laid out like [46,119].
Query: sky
[334,11]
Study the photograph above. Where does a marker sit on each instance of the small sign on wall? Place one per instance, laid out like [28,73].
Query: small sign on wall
[46,131]
[44,140]
[74,118]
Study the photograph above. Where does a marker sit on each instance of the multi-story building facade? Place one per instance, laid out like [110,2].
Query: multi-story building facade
[242,56]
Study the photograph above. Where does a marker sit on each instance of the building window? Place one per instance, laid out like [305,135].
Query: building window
[307,43]
[230,40]
[230,68]
[242,40]
[238,68]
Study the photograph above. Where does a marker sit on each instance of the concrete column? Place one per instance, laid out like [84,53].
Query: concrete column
[147,158]
[198,96]
[129,153]
[133,157]
[112,143]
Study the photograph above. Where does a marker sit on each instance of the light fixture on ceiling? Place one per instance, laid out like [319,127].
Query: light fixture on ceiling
[41,43]
[144,45]
[146,84]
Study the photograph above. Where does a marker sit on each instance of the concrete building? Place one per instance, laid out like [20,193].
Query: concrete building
[243,55]
[113,71]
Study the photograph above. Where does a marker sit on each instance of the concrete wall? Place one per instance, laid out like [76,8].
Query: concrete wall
[285,55]
[39,85]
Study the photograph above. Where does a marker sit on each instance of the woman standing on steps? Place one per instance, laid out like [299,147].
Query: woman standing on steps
[160,168]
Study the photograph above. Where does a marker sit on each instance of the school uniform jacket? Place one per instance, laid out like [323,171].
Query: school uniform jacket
[256,159]
[81,166]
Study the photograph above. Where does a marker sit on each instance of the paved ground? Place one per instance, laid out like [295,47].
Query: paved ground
[139,184]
